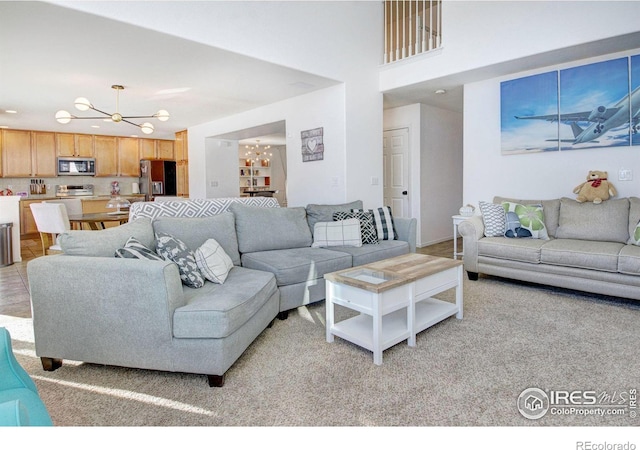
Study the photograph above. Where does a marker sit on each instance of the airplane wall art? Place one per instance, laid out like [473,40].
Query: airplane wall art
[591,106]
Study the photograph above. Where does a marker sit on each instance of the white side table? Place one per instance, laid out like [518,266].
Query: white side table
[456,221]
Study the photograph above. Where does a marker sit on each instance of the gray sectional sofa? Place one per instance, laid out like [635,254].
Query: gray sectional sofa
[590,247]
[90,306]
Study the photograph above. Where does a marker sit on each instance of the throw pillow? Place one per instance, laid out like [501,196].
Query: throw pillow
[493,216]
[324,213]
[135,249]
[531,218]
[383,222]
[173,249]
[213,261]
[514,228]
[636,235]
[339,233]
[367,227]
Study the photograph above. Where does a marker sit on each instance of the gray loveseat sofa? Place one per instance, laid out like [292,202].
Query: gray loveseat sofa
[90,306]
[590,247]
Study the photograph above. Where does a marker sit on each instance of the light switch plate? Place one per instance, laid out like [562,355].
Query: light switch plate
[625,175]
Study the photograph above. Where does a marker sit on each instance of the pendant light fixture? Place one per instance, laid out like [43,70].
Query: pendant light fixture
[84,104]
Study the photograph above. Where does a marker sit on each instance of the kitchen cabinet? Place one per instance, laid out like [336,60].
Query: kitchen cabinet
[164,149]
[28,154]
[156,149]
[128,157]
[43,154]
[28,228]
[74,145]
[181,152]
[105,150]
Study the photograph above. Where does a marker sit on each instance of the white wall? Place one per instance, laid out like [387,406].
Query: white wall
[488,34]
[441,172]
[308,182]
[341,40]
[435,167]
[531,176]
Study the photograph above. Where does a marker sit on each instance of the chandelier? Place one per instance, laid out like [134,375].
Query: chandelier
[84,104]
[259,152]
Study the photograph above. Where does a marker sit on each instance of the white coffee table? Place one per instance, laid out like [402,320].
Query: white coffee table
[395,300]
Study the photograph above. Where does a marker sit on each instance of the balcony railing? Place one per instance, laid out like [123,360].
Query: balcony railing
[411,27]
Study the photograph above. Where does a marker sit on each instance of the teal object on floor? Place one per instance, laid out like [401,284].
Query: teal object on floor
[20,404]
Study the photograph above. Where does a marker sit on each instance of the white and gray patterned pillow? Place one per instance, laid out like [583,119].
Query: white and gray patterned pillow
[383,223]
[135,249]
[367,227]
[339,233]
[493,216]
[173,249]
[213,261]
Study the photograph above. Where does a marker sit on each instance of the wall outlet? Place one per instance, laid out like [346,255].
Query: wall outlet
[625,175]
[374,181]
[214,184]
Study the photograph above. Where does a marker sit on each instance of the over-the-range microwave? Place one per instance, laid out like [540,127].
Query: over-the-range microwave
[76,166]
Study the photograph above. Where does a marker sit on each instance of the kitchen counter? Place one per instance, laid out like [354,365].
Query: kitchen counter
[45,197]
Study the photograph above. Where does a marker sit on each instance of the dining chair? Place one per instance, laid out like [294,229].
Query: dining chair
[73,205]
[51,221]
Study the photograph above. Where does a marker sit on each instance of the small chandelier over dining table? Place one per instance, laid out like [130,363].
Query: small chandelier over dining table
[83,104]
[257,153]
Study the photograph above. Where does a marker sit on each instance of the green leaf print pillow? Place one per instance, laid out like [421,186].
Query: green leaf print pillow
[636,235]
[531,218]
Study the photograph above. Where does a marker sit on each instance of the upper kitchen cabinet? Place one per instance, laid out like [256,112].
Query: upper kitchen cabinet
[180,146]
[182,163]
[28,154]
[105,150]
[156,149]
[43,154]
[74,145]
[128,157]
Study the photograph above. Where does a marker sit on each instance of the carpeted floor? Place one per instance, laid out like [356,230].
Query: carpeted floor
[462,373]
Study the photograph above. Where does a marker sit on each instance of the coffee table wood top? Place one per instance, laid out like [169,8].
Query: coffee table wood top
[395,271]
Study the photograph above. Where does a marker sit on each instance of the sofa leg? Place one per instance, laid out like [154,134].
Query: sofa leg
[50,364]
[215,380]
[271,323]
[473,276]
[283,315]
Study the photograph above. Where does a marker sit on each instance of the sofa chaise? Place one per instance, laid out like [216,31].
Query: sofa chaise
[585,246]
[93,307]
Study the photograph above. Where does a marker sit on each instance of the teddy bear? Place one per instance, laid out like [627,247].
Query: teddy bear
[596,189]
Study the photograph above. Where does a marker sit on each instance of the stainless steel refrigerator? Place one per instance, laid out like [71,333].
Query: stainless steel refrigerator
[157,178]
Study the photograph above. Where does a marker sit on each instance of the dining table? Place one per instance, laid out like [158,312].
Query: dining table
[96,221]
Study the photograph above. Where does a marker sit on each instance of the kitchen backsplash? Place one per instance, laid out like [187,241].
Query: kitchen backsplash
[102,185]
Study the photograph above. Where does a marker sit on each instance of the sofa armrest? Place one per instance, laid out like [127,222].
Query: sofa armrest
[471,230]
[104,310]
[406,229]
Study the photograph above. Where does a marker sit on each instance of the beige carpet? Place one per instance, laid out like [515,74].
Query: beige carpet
[462,373]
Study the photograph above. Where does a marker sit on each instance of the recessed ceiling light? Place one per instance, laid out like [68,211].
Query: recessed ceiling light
[95,126]
[440,91]
[11,111]
[173,91]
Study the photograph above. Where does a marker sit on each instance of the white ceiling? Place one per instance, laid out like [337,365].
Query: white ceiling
[47,60]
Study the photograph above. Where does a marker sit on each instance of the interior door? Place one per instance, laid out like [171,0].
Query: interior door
[396,171]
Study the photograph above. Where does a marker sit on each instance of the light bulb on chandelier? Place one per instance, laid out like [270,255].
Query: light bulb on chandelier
[83,104]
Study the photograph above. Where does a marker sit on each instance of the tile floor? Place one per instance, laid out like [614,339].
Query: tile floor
[14,288]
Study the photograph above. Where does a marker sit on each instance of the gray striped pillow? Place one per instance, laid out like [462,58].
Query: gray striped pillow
[135,249]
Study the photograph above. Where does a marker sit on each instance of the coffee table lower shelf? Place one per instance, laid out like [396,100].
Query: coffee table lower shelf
[359,329]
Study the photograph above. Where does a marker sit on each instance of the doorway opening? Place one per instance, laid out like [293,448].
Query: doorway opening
[261,156]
